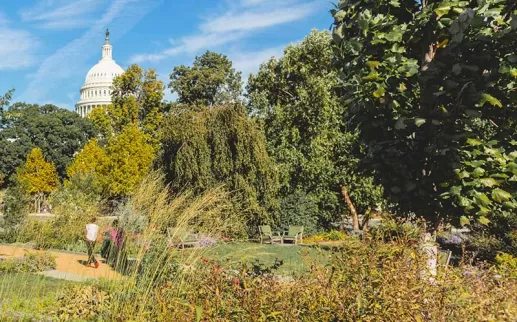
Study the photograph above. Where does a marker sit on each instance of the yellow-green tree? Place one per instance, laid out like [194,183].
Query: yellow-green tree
[130,156]
[90,163]
[91,159]
[137,99]
[38,177]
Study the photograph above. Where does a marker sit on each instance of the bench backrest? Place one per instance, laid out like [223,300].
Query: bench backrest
[265,230]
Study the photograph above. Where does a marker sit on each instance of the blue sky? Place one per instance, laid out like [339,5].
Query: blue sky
[48,46]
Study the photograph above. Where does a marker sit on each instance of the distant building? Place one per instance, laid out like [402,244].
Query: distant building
[96,90]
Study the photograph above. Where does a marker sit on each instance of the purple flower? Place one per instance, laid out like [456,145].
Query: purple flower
[206,241]
[455,239]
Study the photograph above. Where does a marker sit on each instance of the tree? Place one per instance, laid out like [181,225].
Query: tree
[296,99]
[58,132]
[418,77]
[210,81]
[137,99]
[221,146]
[90,162]
[38,177]
[129,158]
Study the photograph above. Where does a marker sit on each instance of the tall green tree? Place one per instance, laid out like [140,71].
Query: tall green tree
[137,99]
[297,101]
[58,132]
[221,146]
[419,77]
[38,177]
[129,158]
[210,81]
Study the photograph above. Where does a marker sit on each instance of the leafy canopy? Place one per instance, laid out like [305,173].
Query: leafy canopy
[419,78]
[296,99]
[129,158]
[137,99]
[58,132]
[210,81]
[37,175]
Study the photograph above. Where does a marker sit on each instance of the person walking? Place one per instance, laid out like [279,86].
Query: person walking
[92,230]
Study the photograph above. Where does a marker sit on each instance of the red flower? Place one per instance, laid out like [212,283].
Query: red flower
[236,281]
[205,260]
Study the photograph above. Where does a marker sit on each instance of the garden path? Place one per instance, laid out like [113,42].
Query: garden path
[68,264]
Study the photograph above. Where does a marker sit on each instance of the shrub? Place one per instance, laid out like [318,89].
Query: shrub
[30,263]
[333,235]
[82,302]
[298,209]
[506,264]
[365,280]
[16,209]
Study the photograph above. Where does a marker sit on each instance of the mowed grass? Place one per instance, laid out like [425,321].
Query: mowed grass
[295,259]
[26,293]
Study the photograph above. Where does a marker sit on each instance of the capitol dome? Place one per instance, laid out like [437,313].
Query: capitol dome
[96,90]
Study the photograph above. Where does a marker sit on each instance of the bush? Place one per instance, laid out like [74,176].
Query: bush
[16,209]
[365,280]
[82,303]
[506,264]
[30,263]
[298,209]
[333,235]
[73,208]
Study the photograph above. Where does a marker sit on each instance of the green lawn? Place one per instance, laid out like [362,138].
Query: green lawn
[26,292]
[296,259]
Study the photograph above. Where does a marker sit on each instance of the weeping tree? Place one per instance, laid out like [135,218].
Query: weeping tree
[221,146]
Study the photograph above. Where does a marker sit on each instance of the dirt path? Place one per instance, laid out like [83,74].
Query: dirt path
[67,263]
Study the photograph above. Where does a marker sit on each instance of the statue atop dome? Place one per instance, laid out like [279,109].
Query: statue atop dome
[107,35]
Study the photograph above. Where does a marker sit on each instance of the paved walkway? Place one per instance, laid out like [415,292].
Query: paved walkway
[68,265]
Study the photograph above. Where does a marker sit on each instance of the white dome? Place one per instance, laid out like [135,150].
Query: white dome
[104,71]
[96,90]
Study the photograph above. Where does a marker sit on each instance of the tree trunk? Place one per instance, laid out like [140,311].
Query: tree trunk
[353,211]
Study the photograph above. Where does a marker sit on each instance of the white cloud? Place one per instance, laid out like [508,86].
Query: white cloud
[17,47]
[68,61]
[257,19]
[249,62]
[236,23]
[61,14]
[190,45]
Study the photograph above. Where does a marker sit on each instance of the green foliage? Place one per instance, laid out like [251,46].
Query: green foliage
[16,209]
[90,160]
[506,264]
[136,100]
[221,145]
[211,81]
[383,283]
[418,78]
[129,158]
[333,235]
[298,209]
[29,263]
[58,132]
[82,302]
[37,175]
[74,205]
[296,99]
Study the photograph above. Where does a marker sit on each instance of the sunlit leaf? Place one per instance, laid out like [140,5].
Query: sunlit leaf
[487,98]
[483,220]
[500,196]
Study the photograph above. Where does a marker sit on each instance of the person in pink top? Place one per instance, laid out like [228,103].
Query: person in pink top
[92,231]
